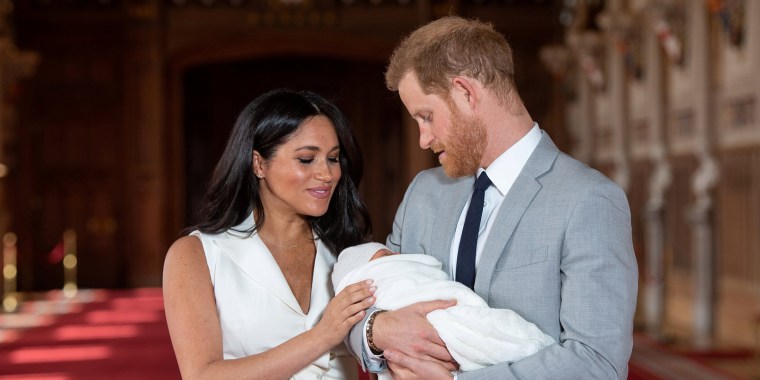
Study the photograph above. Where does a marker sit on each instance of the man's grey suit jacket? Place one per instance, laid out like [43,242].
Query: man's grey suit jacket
[559,254]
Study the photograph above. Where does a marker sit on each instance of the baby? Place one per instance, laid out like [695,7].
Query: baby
[475,334]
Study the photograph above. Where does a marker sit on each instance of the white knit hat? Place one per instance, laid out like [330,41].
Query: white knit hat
[352,258]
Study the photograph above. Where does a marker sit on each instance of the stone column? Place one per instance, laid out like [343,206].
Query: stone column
[654,286]
[557,58]
[703,181]
[659,182]
[584,131]
[615,22]
[585,49]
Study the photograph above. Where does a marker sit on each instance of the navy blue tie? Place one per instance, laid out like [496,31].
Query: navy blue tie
[468,244]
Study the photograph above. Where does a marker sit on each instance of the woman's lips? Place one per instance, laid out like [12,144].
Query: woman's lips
[320,192]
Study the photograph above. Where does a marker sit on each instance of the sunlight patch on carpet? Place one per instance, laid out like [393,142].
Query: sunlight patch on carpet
[59,354]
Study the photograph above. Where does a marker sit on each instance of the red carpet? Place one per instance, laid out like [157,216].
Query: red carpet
[105,335]
[122,334]
[652,361]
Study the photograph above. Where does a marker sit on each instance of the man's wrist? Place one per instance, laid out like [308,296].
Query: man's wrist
[370,341]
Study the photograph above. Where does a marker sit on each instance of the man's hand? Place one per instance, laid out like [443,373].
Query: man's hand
[404,367]
[408,331]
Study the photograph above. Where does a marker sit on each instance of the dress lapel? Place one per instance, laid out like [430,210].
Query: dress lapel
[253,258]
[518,199]
[321,284]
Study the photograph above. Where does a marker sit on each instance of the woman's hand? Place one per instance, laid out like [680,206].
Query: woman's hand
[344,310]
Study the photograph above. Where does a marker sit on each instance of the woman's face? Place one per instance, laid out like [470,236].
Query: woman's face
[301,175]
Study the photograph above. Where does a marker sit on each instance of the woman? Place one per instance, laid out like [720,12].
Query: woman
[248,293]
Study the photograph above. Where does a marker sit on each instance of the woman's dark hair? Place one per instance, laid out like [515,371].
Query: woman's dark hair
[264,125]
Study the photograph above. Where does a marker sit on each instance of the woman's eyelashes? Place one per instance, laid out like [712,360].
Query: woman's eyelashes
[309,160]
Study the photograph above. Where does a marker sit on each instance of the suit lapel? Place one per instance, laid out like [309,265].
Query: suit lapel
[515,204]
[450,207]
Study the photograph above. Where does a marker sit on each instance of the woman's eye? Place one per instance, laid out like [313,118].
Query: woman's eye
[334,159]
[305,160]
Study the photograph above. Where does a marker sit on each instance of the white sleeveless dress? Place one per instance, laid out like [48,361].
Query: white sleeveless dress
[258,311]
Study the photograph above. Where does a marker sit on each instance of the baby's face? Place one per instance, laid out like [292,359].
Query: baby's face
[381,253]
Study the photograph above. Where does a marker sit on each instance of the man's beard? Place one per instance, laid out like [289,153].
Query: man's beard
[465,147]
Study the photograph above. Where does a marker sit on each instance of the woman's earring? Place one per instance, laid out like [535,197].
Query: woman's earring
[259,176]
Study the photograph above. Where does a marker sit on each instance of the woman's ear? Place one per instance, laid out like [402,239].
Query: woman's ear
[258,167]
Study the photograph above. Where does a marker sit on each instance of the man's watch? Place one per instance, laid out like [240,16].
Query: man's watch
[370,323]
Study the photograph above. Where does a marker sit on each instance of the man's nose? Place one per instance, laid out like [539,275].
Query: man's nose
[426,138]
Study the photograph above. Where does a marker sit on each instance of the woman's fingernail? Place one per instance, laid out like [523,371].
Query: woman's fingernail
[373,288]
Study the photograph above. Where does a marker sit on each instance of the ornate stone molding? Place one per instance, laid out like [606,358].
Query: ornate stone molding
[558,59]
[669,23]
[588,47]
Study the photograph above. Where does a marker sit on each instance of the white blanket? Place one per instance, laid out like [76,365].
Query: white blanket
[476,335]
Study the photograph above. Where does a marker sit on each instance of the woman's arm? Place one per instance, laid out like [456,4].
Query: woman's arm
[196,334]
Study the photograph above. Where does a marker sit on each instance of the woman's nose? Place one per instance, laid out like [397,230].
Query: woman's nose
[324,172]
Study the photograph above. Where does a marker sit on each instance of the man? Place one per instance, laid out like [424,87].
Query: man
[553,239]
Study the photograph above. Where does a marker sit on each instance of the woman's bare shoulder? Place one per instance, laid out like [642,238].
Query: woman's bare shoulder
[186,253]
[189,243]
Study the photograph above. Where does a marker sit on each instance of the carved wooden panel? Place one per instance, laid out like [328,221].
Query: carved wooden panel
[69,153]
[737,225]
[736,44]
[603,133]
[678,244]
[738,216]
[681,130]
[739,120]
[682,75]
[635,49]
[637,200]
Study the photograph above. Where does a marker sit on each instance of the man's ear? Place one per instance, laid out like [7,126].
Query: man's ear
[464,93]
